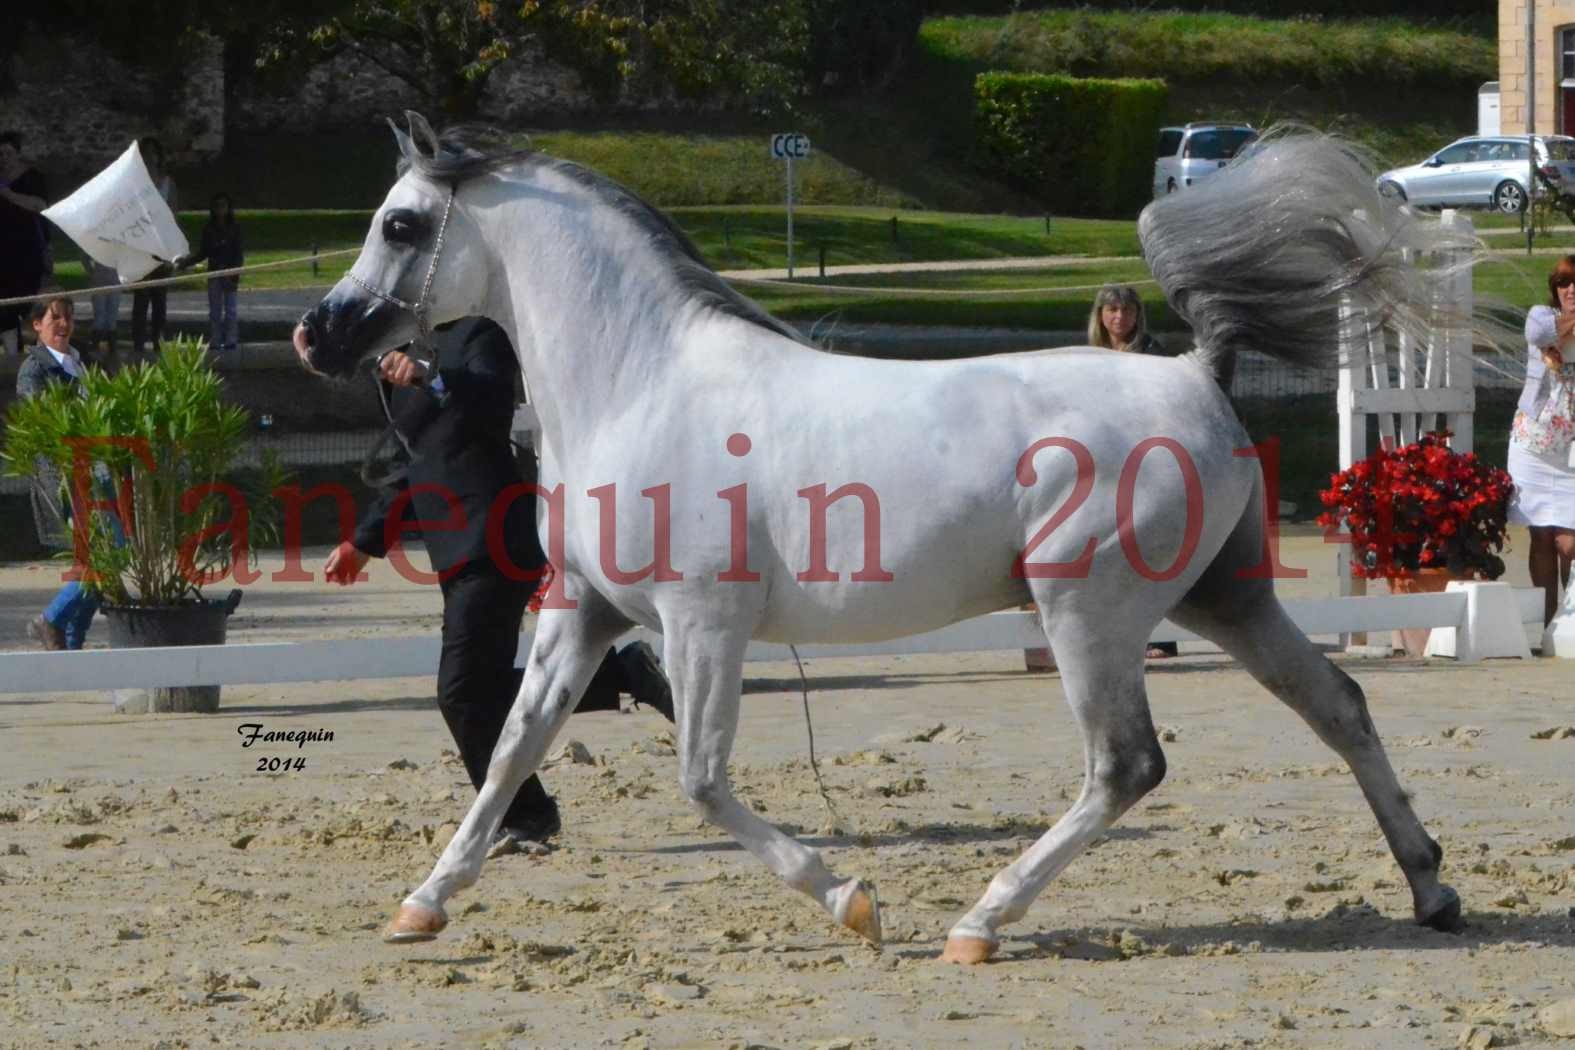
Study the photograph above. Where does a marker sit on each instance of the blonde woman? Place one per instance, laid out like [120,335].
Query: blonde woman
[1116,322]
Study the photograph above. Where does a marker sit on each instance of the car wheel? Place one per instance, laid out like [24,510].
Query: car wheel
[1392,189]
[1509,198]
[1170,186]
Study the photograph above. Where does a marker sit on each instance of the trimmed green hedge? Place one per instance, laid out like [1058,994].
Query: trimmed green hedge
[1417,10]
[1081,146]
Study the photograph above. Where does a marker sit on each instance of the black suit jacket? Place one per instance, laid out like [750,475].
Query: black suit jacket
[462,460]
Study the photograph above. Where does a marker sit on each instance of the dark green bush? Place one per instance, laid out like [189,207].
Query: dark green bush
[1081,146]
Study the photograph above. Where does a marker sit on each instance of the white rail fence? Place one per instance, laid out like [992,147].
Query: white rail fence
[348,659]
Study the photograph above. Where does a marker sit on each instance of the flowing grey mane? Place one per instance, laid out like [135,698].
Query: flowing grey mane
[468,151]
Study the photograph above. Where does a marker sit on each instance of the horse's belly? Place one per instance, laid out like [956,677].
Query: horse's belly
[877,610]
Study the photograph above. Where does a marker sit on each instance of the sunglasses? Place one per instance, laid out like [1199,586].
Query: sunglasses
[1564,281]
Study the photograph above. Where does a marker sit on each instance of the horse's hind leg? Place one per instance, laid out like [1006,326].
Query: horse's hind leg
[1245,619]
[568,647]
[705,666]
[1122,762]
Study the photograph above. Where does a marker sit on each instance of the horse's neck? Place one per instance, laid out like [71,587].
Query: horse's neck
[596,315]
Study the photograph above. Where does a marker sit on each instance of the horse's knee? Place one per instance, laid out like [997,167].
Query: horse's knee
[704,788]
[1128,774]
[1346,722]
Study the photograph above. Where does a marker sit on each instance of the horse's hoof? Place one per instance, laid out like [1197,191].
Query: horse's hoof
[414,923]
[1445,915]
[862,914]
[968,951]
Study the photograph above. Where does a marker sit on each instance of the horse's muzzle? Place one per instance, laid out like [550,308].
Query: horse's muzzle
[304,339]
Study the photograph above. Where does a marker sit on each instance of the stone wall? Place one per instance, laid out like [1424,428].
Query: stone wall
[78,108]
[347,91]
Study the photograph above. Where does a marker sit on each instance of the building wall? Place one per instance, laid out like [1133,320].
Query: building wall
[1550,16]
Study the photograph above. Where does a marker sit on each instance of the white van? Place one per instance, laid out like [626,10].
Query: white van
[1195,151]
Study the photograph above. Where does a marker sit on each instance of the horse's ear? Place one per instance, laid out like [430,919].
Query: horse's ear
[406,148]
[425,139]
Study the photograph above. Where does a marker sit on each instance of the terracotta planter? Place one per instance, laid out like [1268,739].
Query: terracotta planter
[1413,640]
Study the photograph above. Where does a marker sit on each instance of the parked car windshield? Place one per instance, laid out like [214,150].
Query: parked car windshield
[1218,143]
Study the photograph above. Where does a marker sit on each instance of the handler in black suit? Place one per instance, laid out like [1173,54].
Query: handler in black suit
[460,462]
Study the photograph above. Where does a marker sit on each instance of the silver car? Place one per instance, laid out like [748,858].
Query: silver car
[1483,171]
[1195,151]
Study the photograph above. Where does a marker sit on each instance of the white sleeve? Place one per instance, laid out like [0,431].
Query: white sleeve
[1541,327]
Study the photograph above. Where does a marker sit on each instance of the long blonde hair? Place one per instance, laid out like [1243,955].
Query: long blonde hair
[1116,295]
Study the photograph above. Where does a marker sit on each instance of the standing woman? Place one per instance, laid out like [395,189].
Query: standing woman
[153,301]
[64,624]
[23,241]
[1118,322]
[1539,440]
[222,249]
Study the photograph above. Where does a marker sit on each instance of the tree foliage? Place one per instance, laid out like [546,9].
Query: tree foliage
[759,55]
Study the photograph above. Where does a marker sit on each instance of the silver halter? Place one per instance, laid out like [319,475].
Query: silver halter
[419,307]
[423,338]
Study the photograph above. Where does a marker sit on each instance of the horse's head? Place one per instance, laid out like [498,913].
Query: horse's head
[420,256]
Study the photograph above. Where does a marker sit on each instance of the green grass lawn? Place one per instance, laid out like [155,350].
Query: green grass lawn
[743,237]
[746,237]
[1014,299]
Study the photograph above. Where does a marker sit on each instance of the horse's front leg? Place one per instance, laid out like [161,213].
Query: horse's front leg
[705,666]
[568,647]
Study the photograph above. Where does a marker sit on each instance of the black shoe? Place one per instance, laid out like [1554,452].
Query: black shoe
[647,684]
[528,834]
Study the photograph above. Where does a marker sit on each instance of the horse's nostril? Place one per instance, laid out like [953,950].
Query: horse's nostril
[304,338]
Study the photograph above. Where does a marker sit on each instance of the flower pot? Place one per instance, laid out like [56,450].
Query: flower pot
[1413,640]
[149,626]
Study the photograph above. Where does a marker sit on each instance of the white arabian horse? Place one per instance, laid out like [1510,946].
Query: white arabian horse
[721,480]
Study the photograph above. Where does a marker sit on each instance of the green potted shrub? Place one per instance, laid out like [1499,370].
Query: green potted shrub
[157,442]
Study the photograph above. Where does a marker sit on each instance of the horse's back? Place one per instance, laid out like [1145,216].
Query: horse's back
[966,463]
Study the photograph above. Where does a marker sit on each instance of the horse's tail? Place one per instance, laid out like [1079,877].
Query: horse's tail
[1265,254]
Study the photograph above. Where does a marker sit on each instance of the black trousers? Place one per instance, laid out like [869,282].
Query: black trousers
[477,680]
[148,300]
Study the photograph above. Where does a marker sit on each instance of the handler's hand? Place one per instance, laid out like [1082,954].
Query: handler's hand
[344,565]
[401,369]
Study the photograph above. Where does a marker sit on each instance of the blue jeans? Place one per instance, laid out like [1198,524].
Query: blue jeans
[73,607]
[72,612]
[224,322]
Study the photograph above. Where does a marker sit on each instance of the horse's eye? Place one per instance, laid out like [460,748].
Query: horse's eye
[401,227]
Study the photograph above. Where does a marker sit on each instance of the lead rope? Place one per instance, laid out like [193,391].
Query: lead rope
[423,338]
[837,824]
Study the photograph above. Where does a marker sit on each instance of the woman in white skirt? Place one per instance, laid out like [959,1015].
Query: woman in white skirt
[1540,456]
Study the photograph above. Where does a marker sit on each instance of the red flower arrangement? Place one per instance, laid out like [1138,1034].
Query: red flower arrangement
[1421,506]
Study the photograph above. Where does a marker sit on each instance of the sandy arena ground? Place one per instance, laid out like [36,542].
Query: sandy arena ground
[156,890]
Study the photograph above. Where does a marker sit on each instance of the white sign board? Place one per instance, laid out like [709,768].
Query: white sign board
[120,219]
[789,145]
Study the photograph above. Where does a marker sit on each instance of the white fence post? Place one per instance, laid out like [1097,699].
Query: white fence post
[1432,383]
